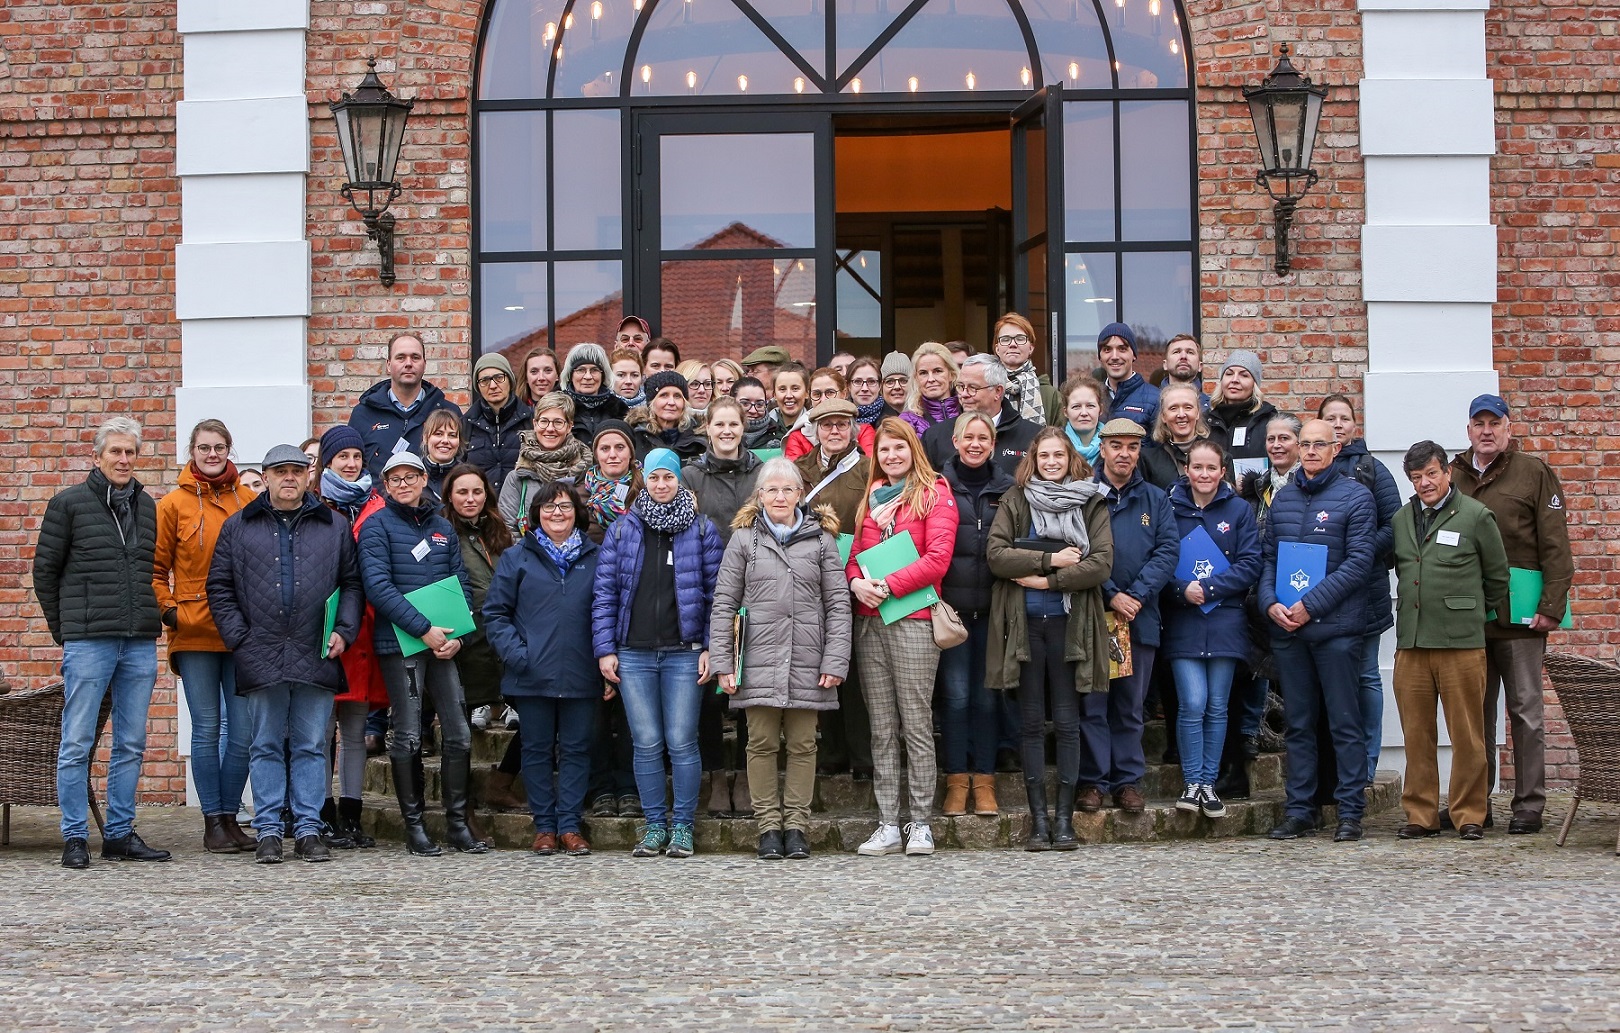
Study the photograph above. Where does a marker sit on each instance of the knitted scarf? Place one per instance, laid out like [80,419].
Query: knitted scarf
[1057,510]
[1024,391]
[224,479]
[565,554]
[884,505]
[870,414]
[348,496]
[554,464]
[1091,451]
[606,496]
[670,517]
[592,401]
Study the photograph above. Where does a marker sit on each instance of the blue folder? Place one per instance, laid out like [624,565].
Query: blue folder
[1301,566]
[1201,559]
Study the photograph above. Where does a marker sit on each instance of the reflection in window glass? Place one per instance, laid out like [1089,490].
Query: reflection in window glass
[709,48]
[591,52]
[1088,170]
[859,23]
[1158,297]
[589,204]
[953,45]
[803,23]
[860,299]
[589,303]
[1034,182]
[1155,188]
[512,307]
[517,51]
[1092,302]
[1073,50]
[1147,44]
[512,181]
[719,308]
[738,191]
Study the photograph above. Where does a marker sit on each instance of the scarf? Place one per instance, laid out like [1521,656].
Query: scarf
[1057,510]
[552,464]
[346,495]
[1024,391]
[224,479]
[947,408]
[119,500]
[1278,481]
[757,432]
[870,414]
[606,495]
[639,399]
[884,505]
[591,401]
[565,554]
[670,517]
[1091,451]
[782,532]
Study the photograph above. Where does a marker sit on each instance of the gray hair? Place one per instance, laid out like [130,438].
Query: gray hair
[1288,420]
[780,468]
[995,374]
[123,426]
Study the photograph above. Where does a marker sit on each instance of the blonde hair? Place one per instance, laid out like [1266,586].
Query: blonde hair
[1161,430]
[914,397]
[919,493]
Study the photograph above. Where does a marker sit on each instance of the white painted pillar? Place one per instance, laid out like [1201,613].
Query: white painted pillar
[1428,249]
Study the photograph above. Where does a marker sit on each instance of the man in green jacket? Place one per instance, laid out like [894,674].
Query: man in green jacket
[1452,570]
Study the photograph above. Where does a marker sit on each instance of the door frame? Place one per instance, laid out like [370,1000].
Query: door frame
[1044,111]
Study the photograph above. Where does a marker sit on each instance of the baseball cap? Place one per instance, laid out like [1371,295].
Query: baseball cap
[1488,403]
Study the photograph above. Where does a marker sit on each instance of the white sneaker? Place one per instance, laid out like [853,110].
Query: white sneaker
[919,840]
[511,719]
[480,718]
[886,840]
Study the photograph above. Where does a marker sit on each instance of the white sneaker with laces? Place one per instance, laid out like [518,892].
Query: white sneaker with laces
[885,840]
[511,719]
[480,718]
[919,840]
[1190,798]
[1210,804]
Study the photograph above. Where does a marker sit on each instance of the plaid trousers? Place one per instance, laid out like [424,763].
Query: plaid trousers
[897,665]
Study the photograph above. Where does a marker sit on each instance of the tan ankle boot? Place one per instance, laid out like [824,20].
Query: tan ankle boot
[956,795]
[984,796]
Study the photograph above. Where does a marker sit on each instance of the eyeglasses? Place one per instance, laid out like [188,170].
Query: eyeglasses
[1013,339]
[833,424]
[779,492]
[1315,446]
[632,338]
[556,508]
[212,450]
[830,392]
[707,385]
[493,378]
[401,480]
[752,404]
[896,381]
[964,389]
[552,424]
[864,382]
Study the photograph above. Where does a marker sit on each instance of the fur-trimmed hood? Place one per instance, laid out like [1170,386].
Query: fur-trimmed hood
[751,511]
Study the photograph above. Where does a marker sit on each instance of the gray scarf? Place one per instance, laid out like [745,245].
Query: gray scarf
[1024,391]
[1058,510]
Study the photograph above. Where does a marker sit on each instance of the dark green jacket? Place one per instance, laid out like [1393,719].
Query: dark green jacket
[1447,585]
[93,577]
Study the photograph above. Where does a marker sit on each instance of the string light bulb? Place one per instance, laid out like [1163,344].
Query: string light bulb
[1074,70]
[1175,48]
[971,81]
[550,32]
[596,9]
[912,84]
[1023,76]
[855,85]
[568,22]
[1154,8]
[798,84]
[742,83]
[691,80]
[646,73]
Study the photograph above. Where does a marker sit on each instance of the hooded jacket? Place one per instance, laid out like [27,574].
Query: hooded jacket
[1146,549]
[1189,632]
[389,543]
[539,621]
[1333,510]
[92,573]
[492,438]
[381,424]
[723,486]
[189,520]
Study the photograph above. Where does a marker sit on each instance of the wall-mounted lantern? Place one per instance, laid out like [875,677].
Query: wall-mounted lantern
[1285,108]
[371,127]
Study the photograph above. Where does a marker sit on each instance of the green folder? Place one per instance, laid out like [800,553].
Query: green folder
[846,542]
[1524,596]
[766,454]
[330,623]
[895,553]
[443,603]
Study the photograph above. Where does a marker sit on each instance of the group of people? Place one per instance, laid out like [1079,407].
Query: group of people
[839,559]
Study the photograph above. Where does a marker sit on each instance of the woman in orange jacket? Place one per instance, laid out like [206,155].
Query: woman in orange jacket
[189,519]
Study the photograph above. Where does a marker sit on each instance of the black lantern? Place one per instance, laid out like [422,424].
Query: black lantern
[370,128]
[1285,109]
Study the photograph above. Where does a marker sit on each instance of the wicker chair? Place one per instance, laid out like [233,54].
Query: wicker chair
[30,736]
[1589,691]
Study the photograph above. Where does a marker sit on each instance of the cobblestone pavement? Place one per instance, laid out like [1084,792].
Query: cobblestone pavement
[1510,934]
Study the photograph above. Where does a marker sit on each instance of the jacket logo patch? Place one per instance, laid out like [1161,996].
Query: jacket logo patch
[1147,520]
[1322,517]
[1223,527]
[1555,503]
[384,425]
[440,539]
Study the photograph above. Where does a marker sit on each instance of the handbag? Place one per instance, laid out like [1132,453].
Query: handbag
[949,630]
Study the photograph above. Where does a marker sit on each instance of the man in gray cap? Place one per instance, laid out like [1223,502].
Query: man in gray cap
[277,567]
[1524,494]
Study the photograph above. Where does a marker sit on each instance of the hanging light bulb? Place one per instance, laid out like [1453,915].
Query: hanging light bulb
[911,83]
[638,4]
[1153,8]
[798,84]
[855,85]
[1074,70]
[863,261]
[646,74]
[568,22]
[1117,3]
[1023,76]
[1174,47]
[1116,65]
[971,81]
[691,80]
[742,83]
[550,32]
[596,9]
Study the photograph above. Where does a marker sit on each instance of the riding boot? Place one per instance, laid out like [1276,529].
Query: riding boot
[454,774]
[408,783]
[349,811]
[332,829]
[1040,834]
[1063,837]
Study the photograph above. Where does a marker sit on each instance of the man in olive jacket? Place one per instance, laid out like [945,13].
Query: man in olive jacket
[1452,571]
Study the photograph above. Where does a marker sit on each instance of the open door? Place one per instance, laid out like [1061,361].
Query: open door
[1037,153]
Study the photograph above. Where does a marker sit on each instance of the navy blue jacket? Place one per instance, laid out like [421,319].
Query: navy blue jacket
[698,551]
[381,424]
[1333,510]
[1136,400]
[1146,548]
[1189,632]
[390,569]
[492,440]
[967,581]
[267,594]
[1354,461]
[539,621]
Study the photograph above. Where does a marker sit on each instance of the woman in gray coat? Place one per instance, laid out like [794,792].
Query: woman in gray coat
[782,567]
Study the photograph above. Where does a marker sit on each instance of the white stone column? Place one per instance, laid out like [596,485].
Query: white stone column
[1428,249]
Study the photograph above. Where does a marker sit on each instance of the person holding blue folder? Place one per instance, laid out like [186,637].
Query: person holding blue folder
[1205,630]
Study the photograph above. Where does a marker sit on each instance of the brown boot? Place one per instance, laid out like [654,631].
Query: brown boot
[742,798]
[477,829]
[239,836]
[498,795]
[215,839]
[984,796]
[956,795]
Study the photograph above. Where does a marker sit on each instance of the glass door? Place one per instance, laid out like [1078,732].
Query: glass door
[1037,217]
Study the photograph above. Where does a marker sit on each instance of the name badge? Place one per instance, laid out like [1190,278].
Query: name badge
[421,551]
[1239,436]
[400,446]
[1448,537]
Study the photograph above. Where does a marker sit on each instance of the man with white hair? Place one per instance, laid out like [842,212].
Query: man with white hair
[982,387]
[93,577]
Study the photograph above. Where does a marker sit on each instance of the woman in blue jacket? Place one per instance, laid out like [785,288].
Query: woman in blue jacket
[404,546]
[1204,648]
[655,579]
[537,616]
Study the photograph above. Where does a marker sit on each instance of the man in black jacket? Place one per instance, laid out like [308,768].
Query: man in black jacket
[93,576]
[982,386]
[277,566]
[390,414]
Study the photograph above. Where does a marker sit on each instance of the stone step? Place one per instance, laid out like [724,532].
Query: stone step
[844,832]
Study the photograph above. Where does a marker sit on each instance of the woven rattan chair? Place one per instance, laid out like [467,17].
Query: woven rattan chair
[30,736]
[1589,691]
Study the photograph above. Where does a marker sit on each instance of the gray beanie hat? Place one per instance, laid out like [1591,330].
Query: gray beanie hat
[896,364]
[1243,360]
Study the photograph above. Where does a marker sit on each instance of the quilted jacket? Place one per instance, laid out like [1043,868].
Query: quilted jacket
[390,543]
[698,551]
[1334,510]
[1189,632]
[492,438]
[93,579]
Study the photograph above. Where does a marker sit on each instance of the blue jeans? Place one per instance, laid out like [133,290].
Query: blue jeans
[1323,678]
[971,710]
[1371,699]
[564,728]
[1251,708]
[1127,763]
[1202,688]
[661,701]
[288,758]
[220,729]
[91,668]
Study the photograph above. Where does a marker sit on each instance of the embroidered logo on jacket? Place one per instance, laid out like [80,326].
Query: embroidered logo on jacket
[1223,527]
[440,539]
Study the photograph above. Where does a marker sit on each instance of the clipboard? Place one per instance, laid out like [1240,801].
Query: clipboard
[443,603]
[895,553]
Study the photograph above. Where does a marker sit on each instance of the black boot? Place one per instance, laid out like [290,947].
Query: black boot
[408,782]
[1233,782]
[1063,837]
[454,774]
[1040,834]
[349,811]
[332,829]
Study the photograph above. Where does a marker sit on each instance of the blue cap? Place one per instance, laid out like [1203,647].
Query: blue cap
[1119,330]
[661,459]
[1488,403]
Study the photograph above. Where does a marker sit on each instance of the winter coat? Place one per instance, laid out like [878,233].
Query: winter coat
[93,576]
[270,641]
[798,612]
[360,670]
[722,486]
[1451,578]
[1135,400]
[1146,548]
[1244,437]
[189,519]
[391,570]
[382,425]
[845,491]
[492,438]
[967,582]
[1524,494]
[1354,461]
[934,534]
[802,441]
[591,411]
[1189,632]
[645,436]
[698,551]
[476,661]
[1085,638]
[1164,464]
[539,621]
[516,495]
[1014,434]
[1332,510]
